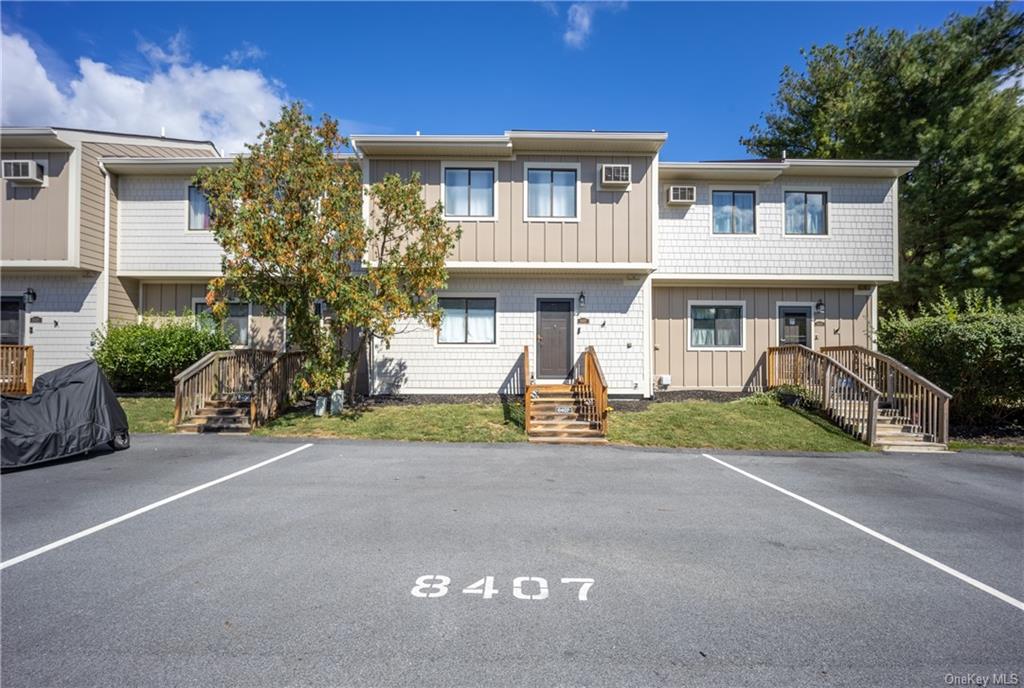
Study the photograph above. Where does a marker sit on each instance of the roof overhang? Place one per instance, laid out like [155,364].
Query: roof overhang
[639,270]
[768,171]
[175,166]
[507,144]
[37,138]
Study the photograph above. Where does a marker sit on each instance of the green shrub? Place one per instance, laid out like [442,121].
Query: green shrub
[145,356]
[971,347]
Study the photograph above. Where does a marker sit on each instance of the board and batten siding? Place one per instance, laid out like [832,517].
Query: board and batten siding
[266,331]
[847,321]
[860,240]
[35,219]
[614,225]
[154,234]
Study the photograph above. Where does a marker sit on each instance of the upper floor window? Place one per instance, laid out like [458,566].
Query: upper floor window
[198,209]
[733,212]
[551,193]
[468,192]
[806,212]
[467,321]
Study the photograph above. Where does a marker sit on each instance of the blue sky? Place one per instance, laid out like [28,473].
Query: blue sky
[702,72]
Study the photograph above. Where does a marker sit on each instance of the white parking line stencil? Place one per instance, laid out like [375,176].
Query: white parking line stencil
[138,512]
[1013,601]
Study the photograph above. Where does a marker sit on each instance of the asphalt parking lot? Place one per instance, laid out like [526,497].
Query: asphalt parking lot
[391,564]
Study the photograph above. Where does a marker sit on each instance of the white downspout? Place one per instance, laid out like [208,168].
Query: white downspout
[104,309]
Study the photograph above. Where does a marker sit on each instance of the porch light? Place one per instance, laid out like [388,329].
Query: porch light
[583,299]
[30,295]
[819,308]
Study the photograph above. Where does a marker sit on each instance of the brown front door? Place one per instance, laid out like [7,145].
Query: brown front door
[554,338]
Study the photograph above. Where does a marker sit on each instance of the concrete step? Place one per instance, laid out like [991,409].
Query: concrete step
[193,426]
[914,447]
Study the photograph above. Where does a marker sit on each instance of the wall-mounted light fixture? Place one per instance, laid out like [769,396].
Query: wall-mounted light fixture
[583,299]
[819,308]
[30,295]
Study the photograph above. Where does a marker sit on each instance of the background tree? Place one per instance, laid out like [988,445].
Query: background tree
[288,215]
[950,97]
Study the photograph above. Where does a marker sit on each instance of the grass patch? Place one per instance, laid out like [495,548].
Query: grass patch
[420,422]
[149,414]
[744,424]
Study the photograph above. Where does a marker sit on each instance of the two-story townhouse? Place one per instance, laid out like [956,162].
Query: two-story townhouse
[555,255]
[679,275]
[60,235]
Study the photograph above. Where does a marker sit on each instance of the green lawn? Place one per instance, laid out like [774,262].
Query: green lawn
[149,414]
[967,445]
[428,422]
[743,424]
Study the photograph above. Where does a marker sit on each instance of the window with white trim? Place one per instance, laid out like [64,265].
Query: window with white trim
[551,193]
[733,212]
[716,327]
[807,212]
[235,323]
[468,192]
[467,320]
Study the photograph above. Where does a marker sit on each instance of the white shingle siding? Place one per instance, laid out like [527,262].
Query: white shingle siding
[416,364]
[154,235]
[859,242]
[66,306]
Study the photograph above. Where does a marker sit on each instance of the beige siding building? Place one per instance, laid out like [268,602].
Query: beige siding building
[679,275]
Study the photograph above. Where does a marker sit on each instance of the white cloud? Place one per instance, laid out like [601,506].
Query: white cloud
[188,99]
[244,53]
[581,21]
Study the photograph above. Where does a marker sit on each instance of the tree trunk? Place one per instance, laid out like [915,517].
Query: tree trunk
[353,367]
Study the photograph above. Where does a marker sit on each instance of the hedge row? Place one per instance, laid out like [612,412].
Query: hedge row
[145,356]
[977,357]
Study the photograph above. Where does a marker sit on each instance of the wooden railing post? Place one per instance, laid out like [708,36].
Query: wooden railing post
[872,425]
[826,394]
[29,366]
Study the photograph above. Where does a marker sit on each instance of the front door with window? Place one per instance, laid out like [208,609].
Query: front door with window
[795,325]
[13,319]
[554,338]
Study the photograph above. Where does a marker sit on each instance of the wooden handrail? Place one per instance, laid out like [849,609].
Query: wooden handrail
[527,391]
[218,373]
[923,404]
[17,362]
[849,400]
[592,388]
[272,387]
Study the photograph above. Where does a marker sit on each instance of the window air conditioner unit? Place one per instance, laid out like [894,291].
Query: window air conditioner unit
[682,195]
[616,175]
[24,171]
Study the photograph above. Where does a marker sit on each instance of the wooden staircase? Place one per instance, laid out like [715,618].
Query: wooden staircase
[229,413]
[573,413]
[234,391]
[870,395]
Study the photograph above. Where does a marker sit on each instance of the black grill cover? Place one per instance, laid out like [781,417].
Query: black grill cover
[71,410]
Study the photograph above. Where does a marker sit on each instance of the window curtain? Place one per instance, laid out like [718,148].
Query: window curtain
[702,329]
[198,209]
[453,321]
[794,213]
[563,201]
[456,192]
[816,213]
[480,325]
[713,326]
[538,184]
[722,204]
[727,326]
[481,191]
[744,212]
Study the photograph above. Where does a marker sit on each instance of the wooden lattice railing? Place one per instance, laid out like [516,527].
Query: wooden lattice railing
[16,368]
[216,375]
[592,389]
[272,387]
[923,403]
[850,401]
[527,390]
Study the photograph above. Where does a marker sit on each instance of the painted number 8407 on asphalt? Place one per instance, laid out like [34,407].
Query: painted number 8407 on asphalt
[523,587]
